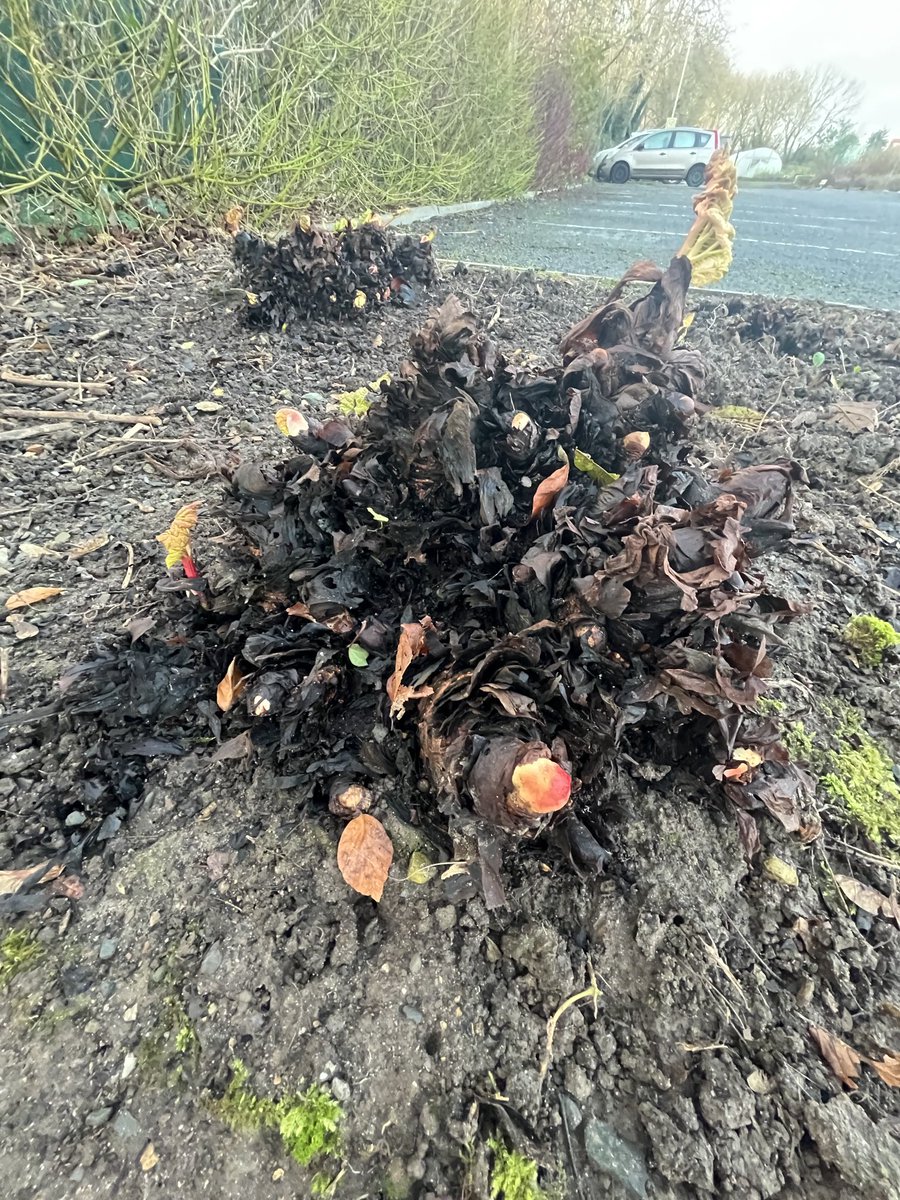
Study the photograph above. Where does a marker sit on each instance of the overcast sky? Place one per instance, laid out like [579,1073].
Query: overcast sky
[860,38]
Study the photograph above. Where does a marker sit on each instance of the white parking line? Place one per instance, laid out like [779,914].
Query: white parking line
[754,241]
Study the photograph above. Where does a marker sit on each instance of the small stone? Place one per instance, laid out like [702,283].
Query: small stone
[446,917]
[207,406]
[75,818]
[340,1089]
[128,1065]
[212,960]
[130,1014]
[613,1155]
[412,1014]
[107,949]
[98,1117]
[125,1126]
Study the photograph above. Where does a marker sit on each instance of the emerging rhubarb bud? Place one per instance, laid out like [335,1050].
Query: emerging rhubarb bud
[539,787]
[636,444]
[349,799]
[518,784]
[177,539]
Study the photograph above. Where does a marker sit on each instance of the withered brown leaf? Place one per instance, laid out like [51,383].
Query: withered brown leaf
[231,686]
[863,896]
[240,746]
[32,596]
[888,1069]
[843,1059]
[548,490]
[411,644]
[364,855]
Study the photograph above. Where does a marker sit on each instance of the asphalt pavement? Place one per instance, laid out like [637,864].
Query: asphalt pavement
[815,244]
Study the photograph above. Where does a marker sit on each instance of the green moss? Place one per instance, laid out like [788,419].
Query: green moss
[513,1176]
[738,414]
[308,1124]
[185,1038]
[798,743]
[18,951]
[870,636]
[768,706]
[861,775]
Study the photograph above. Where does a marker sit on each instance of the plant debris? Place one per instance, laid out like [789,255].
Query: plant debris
[431,592]
[315,272]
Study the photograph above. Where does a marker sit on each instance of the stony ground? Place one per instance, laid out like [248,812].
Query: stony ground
[199,917]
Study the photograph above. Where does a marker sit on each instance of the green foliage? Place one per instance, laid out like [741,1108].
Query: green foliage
[308,1124]
[584,462]
[203,104]
[769,706]
[861,775]
[18,951]
[870,636]
[513,1176]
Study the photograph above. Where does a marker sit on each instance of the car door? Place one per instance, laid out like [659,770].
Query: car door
[650,158]
[684,152]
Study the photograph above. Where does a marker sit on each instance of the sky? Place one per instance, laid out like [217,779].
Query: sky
[860,38]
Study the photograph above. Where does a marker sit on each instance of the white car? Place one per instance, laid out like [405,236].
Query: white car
[680,153]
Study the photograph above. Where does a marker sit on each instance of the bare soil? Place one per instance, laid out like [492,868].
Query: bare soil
[212,923]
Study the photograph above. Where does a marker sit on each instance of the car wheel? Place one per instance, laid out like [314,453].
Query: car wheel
[695,175]
[598,175]
[619,172]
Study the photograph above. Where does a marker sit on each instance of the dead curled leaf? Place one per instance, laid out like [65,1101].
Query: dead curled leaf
[859,416]
[547,491]
[97,542]
[13,881]
[240,746]
[149,1158]
[231,686]
[888,1069]
[841,1058]
[364,855]
[412,643]
[32,596]
[863,896]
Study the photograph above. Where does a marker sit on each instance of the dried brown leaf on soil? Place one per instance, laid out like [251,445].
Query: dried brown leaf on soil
[859,416]
[863,896]
[13,881]
[21,628]
[364,855]
[97,542]
[888,1069]
[240,746]
[841,1058]
[33,595]
[231,686]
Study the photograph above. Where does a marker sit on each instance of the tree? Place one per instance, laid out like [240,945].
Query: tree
[877,141]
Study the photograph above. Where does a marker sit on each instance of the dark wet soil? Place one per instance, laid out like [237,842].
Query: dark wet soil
[211,923]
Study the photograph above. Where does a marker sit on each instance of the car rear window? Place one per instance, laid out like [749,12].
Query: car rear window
[702,139]
[685,139]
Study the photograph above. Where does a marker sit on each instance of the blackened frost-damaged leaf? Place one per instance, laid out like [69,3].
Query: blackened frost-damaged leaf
[240,746]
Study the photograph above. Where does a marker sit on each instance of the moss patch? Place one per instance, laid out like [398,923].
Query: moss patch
[861,775]
[798,742]
[513,1176]
[870,636]
[308,1124]
[768,705]
[18,951]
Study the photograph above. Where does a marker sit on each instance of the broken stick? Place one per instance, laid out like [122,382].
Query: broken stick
[62,414]
[42,381]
